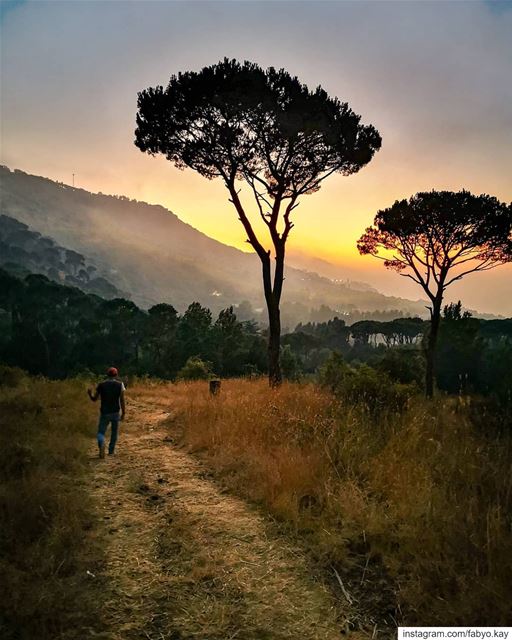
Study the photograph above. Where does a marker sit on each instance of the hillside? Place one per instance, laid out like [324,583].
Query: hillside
[23,251]
[148,251]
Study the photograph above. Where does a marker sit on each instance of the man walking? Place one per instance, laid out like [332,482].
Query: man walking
[112,409]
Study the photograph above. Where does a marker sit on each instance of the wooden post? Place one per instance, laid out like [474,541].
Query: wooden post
[214,387]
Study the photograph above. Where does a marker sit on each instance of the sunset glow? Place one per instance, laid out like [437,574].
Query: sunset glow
[69,102]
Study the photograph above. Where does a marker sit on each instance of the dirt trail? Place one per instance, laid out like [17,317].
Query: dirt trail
[184,560]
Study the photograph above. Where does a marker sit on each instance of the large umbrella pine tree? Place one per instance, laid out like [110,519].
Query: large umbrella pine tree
[238,122]
[436,238]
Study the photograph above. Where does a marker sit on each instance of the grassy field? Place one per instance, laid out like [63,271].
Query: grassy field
[407,514]
[412,509]
[47,544]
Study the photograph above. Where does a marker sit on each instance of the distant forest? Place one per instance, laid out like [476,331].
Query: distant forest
[57,331]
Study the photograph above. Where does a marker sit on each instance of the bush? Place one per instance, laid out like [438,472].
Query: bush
[363,386]
[195,369]
[403,365]
[290,364]
[11,376]
[496,378]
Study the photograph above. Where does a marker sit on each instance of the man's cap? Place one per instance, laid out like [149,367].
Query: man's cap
[112,372]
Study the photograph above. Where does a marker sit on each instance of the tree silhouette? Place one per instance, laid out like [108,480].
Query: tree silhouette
[460,353]
[436,238]
[194,331]
[160,338]
[239,122]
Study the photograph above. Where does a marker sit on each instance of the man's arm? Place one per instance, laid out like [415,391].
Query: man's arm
[123,405]
[93,396]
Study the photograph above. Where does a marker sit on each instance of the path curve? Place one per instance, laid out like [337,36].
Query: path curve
[184,560]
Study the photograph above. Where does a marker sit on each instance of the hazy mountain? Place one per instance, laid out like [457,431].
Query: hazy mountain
[149,252]
[23,251]
[327,269]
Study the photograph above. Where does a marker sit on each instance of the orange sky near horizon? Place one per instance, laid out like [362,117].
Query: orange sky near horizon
[328,223]
[431,78]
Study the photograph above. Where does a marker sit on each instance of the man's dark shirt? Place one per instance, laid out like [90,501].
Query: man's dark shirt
[110,395]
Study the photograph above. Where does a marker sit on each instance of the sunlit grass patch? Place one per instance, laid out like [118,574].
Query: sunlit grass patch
[420,492]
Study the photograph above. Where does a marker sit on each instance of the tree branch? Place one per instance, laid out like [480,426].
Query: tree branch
[487,265]
[253,240]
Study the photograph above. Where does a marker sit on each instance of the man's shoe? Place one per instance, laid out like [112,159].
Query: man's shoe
[102,450]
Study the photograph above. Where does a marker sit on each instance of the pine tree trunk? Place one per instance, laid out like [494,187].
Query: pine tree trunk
[274,345]
[272,291]
[435,320]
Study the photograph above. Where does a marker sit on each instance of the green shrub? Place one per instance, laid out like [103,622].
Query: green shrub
[290,364]
[363,386]
[195,369]
[403,365]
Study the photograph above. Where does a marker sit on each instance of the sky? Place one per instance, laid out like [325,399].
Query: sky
[434,78]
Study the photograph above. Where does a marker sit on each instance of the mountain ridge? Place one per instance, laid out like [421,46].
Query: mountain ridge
[180,263]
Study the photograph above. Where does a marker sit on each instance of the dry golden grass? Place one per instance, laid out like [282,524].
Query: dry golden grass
[139,545]
[412,509]
[47,541]
[184,560]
